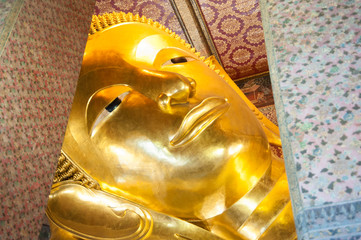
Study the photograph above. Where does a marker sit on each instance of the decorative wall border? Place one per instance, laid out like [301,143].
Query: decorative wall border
[9,22]
[334,221]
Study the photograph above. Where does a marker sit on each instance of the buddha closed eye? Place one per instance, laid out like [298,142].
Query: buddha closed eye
[178,60]
[113,105]
[108,109]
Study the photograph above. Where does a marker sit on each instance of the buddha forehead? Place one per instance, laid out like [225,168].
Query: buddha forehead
[138,43]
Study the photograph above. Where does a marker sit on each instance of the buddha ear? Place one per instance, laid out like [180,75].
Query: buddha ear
[270,129]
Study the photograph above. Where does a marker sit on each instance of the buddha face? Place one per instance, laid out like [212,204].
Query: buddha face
[151,122]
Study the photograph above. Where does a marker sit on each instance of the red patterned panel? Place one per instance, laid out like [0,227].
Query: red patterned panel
[236,29]
[39,69]
[158,10]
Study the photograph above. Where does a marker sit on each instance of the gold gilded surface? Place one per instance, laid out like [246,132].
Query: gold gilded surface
[174,149]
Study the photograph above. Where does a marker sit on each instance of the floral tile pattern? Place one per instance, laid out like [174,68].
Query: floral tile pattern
[39,69]
[236,29]
[314,53]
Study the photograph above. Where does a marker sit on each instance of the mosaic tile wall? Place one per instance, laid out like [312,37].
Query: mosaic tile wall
[158,10]
[39,68]
[237,32]
[314,53]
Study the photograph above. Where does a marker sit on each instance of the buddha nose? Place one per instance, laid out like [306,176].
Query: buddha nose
[177,92]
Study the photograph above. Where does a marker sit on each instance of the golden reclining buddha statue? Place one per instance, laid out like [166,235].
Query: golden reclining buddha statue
[161,144]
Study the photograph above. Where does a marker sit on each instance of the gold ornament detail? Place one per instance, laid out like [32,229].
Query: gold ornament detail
[67,170]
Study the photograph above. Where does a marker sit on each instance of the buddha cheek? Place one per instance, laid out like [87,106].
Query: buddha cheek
[134,139]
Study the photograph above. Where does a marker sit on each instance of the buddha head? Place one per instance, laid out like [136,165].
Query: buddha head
[155,123]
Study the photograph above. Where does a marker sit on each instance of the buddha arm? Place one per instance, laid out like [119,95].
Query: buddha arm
[77,212]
